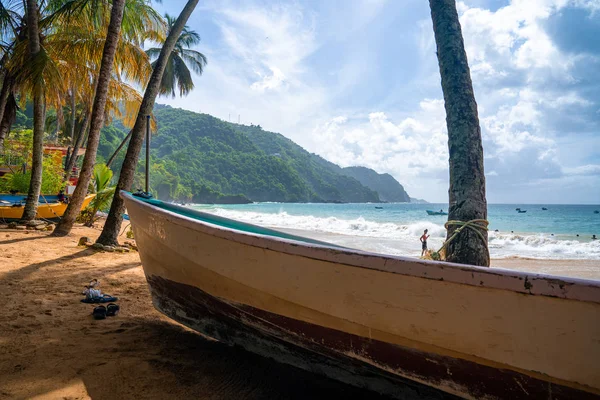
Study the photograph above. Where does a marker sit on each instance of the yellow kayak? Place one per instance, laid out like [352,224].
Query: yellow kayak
[49,211]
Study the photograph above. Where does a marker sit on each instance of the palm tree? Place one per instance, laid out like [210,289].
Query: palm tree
[35,57]
[467,179]
[177,73]
[110,232]
[97,119]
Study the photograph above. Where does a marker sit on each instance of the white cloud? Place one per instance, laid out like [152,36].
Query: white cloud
[269,82]
[589,169]
[414,151]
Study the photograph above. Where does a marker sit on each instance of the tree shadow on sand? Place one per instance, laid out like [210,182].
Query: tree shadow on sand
[55,343]
[22,239]
[23,272]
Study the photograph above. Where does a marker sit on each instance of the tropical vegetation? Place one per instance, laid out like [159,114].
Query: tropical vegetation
[199,158]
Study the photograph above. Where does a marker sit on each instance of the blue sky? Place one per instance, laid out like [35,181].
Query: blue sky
[357,82]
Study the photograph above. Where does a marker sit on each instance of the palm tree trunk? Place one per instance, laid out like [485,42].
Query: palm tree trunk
[114,155]
[73,158]
[110,232]
[467,179]
[6,90]
[9,117]
[108,57]
[73,115]
[38,117]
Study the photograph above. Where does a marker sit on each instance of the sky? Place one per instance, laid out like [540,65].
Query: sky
[357,82]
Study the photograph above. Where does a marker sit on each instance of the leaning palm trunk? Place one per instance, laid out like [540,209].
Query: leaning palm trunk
[4,95]
[467,179]
[104,76]
[73,114]
[72,159]
[35,184]
[114,155]
[110,232]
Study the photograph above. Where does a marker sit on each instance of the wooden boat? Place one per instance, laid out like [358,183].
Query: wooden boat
[400,326]
[431,212]
[47,210]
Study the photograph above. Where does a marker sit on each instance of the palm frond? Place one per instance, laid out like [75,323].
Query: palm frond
[185,83]
[196,60]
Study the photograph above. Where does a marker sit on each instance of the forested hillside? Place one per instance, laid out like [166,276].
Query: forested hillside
[388,188]
[199,158]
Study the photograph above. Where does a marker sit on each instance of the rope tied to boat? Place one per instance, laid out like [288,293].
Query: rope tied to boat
[476,225]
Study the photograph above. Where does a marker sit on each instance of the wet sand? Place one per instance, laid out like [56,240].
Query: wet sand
[52,348]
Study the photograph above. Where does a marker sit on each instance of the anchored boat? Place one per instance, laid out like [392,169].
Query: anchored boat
[431,212]
[399,326]
[49,208]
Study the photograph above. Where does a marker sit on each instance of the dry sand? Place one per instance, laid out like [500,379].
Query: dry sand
[51,347]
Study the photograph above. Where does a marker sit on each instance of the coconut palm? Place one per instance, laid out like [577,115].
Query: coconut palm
[467,179]
[36,56]
[177,74]
[71,38]
[97,118]
[110,232]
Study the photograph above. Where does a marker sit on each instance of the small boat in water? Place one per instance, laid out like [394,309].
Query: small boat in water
[521,211]
[544,209]
[441,212]
[49,208]
[596,212]
[400,326]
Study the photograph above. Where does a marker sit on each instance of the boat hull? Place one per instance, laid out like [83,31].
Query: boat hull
[364,321]
[429,212]
[48,211]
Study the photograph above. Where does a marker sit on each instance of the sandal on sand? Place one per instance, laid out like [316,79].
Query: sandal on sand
[104,299]
[99,312]
[112,310]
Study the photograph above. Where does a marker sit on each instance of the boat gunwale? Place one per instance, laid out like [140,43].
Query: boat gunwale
[496,278]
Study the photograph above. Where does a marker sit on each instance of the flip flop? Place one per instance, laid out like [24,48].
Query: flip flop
[99,312]
[112,310]
[106,298]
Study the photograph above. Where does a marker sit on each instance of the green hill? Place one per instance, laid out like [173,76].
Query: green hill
[388,188]
[199,158]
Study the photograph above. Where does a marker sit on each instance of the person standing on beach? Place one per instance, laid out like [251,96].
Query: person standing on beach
[423,240]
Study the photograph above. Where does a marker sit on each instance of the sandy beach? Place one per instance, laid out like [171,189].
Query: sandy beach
[51,347]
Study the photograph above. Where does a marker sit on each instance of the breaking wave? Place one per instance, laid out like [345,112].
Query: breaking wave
[501,244]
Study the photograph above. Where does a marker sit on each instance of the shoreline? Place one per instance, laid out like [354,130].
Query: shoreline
[573,268]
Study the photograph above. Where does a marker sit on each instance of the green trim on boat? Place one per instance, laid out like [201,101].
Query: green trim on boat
[229,223]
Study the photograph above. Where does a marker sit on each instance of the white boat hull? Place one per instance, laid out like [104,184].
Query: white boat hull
[396,325]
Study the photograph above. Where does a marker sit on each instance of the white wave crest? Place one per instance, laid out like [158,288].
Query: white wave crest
[355,227]
[403,238]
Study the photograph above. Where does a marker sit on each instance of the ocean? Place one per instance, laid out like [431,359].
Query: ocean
[560,232]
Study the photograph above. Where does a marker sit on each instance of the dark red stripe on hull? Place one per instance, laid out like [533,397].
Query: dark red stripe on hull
[323,350]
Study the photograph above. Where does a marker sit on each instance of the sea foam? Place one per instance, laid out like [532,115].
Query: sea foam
[402,239]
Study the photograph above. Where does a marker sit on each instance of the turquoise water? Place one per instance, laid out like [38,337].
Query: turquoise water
[396,227]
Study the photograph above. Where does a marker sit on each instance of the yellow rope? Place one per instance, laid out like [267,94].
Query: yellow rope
[476,225]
